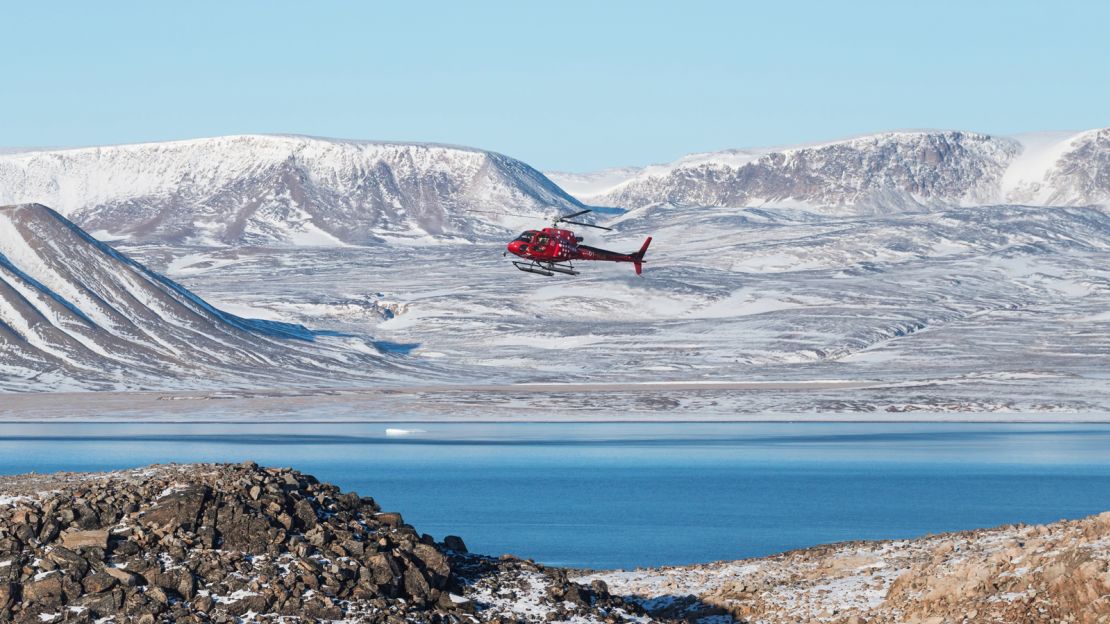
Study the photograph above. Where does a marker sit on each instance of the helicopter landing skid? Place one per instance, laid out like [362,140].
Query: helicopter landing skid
[544,268]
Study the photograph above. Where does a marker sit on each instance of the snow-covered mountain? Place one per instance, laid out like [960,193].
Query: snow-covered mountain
[881,173]
[264,189]
[77,314]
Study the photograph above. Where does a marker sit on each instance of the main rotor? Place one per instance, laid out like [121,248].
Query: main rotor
[567,219]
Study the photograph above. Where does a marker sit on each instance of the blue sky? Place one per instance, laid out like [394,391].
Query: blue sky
[562,85]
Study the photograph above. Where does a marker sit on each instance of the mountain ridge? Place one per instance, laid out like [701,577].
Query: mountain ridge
[882,172]
[281,189]
[77,314]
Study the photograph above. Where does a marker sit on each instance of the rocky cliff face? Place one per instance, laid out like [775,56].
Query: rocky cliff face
[263,189]
[233,543]
[882,173]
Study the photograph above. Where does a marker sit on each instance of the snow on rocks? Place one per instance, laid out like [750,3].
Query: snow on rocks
[226,543]
[879,173]
[1013,574]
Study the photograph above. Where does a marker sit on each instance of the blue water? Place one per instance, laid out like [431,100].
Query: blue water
[621,495]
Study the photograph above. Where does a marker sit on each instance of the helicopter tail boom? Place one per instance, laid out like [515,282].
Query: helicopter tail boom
[638,257]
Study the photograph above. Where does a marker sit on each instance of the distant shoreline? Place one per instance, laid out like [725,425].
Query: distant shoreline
[515,403]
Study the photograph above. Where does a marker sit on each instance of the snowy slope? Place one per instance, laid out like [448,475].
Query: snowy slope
[882,173]
[974,309]
[76,314]
[281,189]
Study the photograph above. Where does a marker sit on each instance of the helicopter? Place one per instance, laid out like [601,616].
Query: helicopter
[552,250]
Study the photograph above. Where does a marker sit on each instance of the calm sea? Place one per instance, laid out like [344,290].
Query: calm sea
[623,495]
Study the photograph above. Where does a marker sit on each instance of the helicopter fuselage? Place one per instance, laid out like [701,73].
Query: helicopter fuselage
[554,245]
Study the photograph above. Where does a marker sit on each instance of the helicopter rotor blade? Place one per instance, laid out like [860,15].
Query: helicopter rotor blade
[600,227]
[577,214]
[505,214]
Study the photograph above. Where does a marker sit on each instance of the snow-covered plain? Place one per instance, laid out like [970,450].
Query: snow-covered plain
[969,313]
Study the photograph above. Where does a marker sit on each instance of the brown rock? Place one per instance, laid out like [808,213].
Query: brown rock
[204,604]
[179,509]
[390,519]
[416,586]
[127,579]
[434,563]
[75,540]
[158,595]
[304,512]
[46,591]
[383,568]
[7,595]
[455,543]
[99,583]
[101,605]
[72,562]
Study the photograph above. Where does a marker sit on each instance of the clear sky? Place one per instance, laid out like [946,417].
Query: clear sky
[563,85]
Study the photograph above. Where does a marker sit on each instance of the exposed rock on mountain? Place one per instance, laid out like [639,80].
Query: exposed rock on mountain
[77,314]
[280,189]
[889,172]
[227,543]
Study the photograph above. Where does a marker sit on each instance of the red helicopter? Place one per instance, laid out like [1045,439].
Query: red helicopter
[551,250]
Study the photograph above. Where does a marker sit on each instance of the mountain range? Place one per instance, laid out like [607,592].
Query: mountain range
[295,190]
[265,189]
[874,174]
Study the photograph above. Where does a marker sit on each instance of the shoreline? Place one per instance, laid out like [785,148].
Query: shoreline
[185,541]
[651,402]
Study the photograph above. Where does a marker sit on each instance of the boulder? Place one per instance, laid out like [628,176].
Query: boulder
[416,586]
[99,583]
[434,563]
[8,594]
[306,514]
[384,569]
[75,540]
[46,591]
[455,543]
[179,509]
[390,519]
[68,560]
[125,578]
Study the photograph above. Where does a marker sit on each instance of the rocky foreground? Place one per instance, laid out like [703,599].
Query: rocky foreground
[241,543]
[237,543]
[1019,574]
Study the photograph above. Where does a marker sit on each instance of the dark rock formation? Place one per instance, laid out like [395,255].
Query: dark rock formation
[227,543]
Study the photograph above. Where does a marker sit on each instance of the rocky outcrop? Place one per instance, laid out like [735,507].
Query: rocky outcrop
[239,543]
[231,543]
[1019,574]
